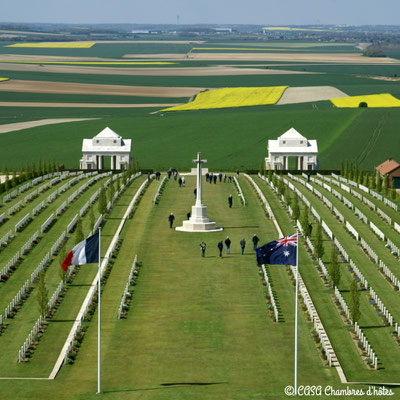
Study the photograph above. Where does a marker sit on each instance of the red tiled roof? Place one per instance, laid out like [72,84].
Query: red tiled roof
[388,166]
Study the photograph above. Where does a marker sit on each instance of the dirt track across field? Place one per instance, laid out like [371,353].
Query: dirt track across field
[94,89]
[17,126]
[83,105]
[294,95]
[337,58]
[149,71]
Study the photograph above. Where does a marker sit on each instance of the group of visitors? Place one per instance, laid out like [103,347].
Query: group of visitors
[228,243]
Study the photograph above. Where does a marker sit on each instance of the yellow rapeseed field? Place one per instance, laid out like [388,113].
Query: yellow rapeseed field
[56,45]
[4,79]
[233,97]
[373,100]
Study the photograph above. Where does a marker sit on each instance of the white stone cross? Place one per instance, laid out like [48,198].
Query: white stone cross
[199,161]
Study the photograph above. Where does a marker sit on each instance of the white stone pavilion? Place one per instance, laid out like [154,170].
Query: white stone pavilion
[106,144]
[199,222]
[292,144]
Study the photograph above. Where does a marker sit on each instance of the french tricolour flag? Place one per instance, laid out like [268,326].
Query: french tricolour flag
[85,252]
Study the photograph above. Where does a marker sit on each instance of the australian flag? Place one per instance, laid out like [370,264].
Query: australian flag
[281,251]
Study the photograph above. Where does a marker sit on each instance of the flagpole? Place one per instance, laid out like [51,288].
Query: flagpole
[99,322]
[296,313]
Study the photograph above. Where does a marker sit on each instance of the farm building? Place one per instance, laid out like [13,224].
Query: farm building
[106,144]
[292,145]
[392,169]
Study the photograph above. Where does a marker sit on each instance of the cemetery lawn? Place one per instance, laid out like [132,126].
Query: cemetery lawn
[198,327]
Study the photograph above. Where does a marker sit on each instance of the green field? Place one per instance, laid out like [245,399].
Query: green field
[162,140]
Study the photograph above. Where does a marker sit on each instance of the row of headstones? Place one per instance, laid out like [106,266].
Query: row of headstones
[389,274]
[20,225]
[2,217]
[33,334]
[303,289]
[6,239]
[94,288]
[381,306]
[61,209]
[92,292]
[374,194]
[358,274]
[261,195]
[340,247]
[239,189]
[367,202]
[323,269]
[26,186]
[29,339]
[28,245]
[366,345]
[126,290]
[312,312]
[360,215]
[393,247]
[368,248]
[377,231]
[57,244]
[15,300]
[343,303]
[12,262]
[72,224]
[271,295]
[47,223]
[14,208]
[160,187]
[37,210]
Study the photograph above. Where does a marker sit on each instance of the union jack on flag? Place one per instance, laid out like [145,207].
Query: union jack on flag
[279,252]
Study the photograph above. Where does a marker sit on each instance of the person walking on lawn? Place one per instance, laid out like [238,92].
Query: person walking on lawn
[243,244]
[228,244]
[203,248]
[255,241]
[220,247]
[171,219]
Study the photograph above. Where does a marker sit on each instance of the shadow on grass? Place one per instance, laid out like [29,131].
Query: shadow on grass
[167,386]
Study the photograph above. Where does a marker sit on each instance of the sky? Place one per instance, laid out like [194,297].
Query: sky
[259,12]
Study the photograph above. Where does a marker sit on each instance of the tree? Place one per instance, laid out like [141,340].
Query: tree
[365,181]
[346,169]
[378,181]
[288,199]
[111,191]
[319,243]
[269,175]
[304,220]
[354,303]
[79,236]
[394,193]
[42,295]
[296,208]
[360,176]
[341,168]
[61,257]
[262,167]
[118,185]
[102,205]
[91,219]
[334,268]
[385,185]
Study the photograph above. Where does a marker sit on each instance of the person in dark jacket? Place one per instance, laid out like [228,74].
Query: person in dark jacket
[255,241]
[227,244]
[195,193]
[207,176]
[188,215]
[243,244]
[171,219]
[220,247]
[203,248]
[180,182]
[230,200]
[220,176]
[215,178]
